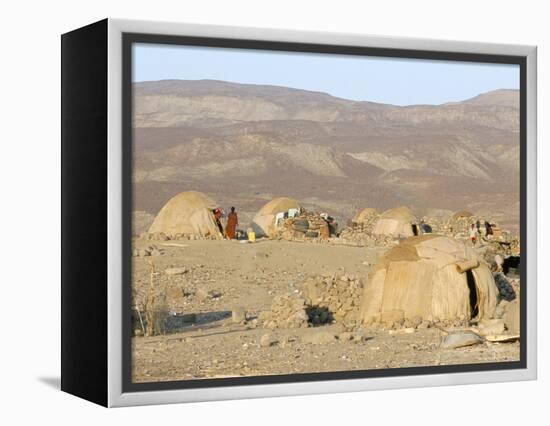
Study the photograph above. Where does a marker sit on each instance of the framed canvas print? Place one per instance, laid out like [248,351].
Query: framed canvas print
[251,212]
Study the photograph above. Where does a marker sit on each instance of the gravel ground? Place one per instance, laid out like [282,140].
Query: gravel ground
[223,276]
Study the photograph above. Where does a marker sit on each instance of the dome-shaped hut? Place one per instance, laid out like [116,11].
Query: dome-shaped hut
[364,215]
[188,213]
[431,277]
[398,222]
[461,214]
[265,221]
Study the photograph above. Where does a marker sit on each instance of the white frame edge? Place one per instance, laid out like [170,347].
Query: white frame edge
[114,216]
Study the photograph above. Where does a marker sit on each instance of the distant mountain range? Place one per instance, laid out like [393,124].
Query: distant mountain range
[246,143]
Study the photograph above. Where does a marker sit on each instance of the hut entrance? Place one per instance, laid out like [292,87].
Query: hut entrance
[474,302]
[415,229]
[511,265]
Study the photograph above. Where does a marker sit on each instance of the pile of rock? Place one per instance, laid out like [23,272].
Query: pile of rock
[504,246]
[360,235]
[287,311]
[333,299]
[322,300]
[308,226]
[437,223]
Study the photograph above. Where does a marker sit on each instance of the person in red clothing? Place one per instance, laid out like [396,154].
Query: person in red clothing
[232,222]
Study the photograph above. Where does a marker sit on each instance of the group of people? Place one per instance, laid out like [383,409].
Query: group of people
[231,225]
[475,231]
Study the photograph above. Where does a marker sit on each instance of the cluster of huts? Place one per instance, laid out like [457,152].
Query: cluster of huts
[426,276]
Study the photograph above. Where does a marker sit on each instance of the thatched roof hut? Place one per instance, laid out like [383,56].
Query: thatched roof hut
[188,213]
[264,223]
[398,222]
[431,277]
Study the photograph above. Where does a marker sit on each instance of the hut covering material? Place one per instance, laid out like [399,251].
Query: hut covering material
[188,213]
[265,221]
[421,279]
[397,222]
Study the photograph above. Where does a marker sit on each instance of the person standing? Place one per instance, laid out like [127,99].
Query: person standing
[232,222]
[473,234]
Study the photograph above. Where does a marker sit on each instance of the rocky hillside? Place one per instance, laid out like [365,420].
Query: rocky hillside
[246,143]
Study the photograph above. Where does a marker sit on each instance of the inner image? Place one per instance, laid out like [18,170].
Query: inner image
[304,212]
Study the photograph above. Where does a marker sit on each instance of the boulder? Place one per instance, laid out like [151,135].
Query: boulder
[267,340]
[491,327]
[176,271]
[203,295]
[460,339]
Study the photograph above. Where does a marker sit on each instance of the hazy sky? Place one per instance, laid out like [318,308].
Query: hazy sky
[393,81]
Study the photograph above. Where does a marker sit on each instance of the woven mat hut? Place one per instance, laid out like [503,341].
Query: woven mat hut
[264,222]
[432,278]
[397,222]
[188,213]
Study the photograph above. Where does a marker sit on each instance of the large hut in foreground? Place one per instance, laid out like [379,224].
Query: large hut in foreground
[432,278]
[188,213]
[265,223]
[397,222]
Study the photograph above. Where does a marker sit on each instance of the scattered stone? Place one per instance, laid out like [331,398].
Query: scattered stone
[144,252]
[319,337]
[396,316]
[204,295]
[424,325]
[345,336]
[460,339]
[176,271]
[267,340]
[156,252]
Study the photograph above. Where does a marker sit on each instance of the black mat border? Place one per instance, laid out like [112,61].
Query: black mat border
[128,39]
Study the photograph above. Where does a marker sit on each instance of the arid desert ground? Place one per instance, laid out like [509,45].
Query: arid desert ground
[226,276]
